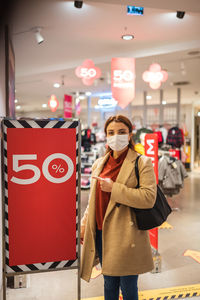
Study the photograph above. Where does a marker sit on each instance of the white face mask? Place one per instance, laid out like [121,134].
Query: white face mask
[118,142]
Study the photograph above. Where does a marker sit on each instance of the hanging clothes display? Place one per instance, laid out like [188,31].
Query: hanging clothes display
[171,175]
[175,137]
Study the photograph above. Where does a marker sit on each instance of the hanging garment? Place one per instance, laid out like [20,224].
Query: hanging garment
[160,137]
[171,175]
[164,133]
[175,137]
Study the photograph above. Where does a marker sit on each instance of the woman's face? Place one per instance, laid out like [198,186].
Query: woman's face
[117,128]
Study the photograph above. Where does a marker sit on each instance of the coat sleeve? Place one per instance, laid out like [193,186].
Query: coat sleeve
[145,195]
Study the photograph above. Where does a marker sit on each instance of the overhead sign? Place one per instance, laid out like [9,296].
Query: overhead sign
[41,172]
[123,80]
[155,76]
[67,106]
[135,10]
[53,103]
[88,72]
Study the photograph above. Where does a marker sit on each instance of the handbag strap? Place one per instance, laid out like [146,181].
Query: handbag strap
[137,171]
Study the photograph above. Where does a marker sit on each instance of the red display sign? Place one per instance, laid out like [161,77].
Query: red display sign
[151,150]
[123,80]
[153,235]
[41,195]
[67,106]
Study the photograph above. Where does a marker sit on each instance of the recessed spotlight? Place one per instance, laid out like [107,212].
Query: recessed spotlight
[127,37]
[16,100]
[18,107]
[148,97]
[164,102]
[56,85]
[44,105]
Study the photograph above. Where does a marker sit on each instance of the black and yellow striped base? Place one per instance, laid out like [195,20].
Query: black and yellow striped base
[176,292]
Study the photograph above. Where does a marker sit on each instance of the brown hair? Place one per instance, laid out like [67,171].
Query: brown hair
[125,121]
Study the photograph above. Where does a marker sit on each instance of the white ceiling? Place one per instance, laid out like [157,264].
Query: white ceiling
[94,32]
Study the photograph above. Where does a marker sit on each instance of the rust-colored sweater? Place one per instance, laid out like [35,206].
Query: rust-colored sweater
[110,170]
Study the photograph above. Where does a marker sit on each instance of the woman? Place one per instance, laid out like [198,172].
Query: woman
[109,229]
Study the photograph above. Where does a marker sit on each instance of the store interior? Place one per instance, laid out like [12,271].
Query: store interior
[50,39]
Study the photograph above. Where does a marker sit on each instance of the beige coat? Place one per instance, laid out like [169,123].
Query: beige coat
[125,250]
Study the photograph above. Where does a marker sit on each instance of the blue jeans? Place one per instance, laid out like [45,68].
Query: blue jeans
[128,284]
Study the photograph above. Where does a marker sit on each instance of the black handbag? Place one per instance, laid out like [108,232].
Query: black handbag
[155,216]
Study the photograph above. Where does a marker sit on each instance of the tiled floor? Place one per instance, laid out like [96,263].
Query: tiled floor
[177,270]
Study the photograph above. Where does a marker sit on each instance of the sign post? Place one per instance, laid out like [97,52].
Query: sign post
[41,196]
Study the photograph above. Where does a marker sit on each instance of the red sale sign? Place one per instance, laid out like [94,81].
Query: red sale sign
[67,106]
[123,80]
[88,72]
[151,150]
[41,187]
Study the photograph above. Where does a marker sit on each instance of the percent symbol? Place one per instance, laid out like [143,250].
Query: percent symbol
[58,168]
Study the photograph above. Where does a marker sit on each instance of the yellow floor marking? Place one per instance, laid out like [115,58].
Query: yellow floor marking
[173,292]
[95,272]
[194,254]
[165,225]
[170,293]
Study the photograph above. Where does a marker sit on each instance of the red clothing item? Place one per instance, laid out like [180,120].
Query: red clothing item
[111,170]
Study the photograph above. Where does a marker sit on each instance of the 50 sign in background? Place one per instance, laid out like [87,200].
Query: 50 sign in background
[42,178]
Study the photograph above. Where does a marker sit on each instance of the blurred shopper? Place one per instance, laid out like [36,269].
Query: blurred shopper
[108,228]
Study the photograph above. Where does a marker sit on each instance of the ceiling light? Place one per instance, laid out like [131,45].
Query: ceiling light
[18,107]
[164,102]
[127,37]
[38,36]
[198,114]
[16,100]
[88,94]
[44,105]
[78,4]
[56,85]
[148,97]
[180,14]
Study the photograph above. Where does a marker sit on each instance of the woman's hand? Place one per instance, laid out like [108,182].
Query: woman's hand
[106,184]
